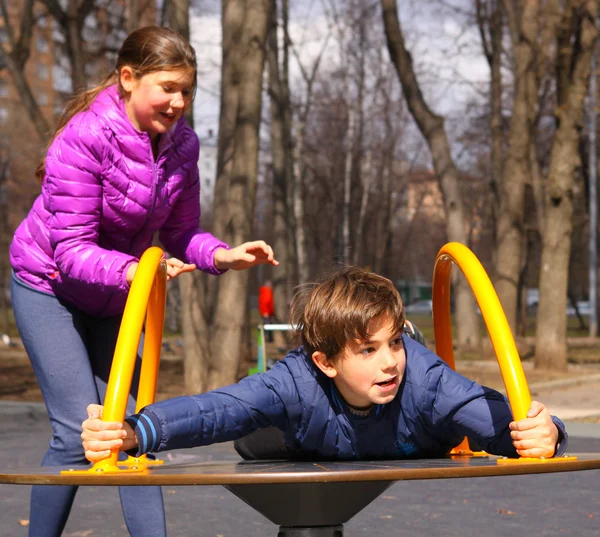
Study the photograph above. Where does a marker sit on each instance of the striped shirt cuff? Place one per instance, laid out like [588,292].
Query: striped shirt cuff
[146,427]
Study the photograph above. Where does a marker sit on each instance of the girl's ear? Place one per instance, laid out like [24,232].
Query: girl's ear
[127,78]
[324,364]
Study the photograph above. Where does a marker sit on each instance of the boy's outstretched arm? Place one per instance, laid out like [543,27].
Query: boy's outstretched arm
[100,437]
[536,435]
[262,400]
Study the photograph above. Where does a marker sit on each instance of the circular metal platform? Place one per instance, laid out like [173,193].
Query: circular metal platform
[297,495]
[271,472]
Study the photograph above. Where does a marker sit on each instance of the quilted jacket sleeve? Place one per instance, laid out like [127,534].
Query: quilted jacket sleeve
[464,408]
[261,400]
[72,193]
[181,234]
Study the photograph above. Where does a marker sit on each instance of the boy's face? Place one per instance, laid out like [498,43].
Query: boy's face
[368,372]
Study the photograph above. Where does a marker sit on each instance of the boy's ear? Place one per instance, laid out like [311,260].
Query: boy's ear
[324,364]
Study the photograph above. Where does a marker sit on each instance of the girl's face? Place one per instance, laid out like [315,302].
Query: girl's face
[368,372]
[156,101]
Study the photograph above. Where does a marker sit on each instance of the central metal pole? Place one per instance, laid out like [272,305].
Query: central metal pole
[314,531]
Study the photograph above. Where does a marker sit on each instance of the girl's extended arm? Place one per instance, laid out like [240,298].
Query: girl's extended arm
[181,234]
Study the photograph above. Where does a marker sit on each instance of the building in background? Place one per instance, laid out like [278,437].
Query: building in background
[207,167]
[47,72]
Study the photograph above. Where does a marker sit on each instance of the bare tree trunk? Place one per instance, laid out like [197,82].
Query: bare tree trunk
[283,221]
[496,95]
[5,239]
[576,38]
[16,58]
[70,21]
[432,128]
[298,202]
[384,220]
[133,20]
[38,119]
[509,232]
[192,286]
[350,135]
[296,193]
[72,26]
[225,332]
[367,179]
[196,346]
[489,15]
[176,15]
[537,187]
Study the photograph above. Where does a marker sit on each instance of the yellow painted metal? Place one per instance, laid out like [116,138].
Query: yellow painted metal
[146,301]
[140,462]
[521,460]
[497,325]
[493,315]
[155,320]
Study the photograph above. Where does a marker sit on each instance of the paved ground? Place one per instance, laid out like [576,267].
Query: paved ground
[543,505]
[540,505]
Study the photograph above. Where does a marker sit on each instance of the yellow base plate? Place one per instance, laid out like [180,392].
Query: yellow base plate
[534,460]
[109,470]
[140,461]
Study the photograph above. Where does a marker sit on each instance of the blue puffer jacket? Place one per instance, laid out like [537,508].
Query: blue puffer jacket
[435,408]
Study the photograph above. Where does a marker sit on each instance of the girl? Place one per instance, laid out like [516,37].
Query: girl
[121,166]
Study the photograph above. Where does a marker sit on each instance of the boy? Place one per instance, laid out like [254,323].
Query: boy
[357,389]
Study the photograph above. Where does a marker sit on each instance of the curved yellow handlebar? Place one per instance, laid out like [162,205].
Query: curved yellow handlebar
[493,315]
[498,328]
[147,294]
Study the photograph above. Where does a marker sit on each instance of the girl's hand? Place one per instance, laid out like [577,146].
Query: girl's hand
[536,435]
[131,272]
[175,267]
[245,256]
[101,437]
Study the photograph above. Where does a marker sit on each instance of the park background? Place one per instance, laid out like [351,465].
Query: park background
[355,132]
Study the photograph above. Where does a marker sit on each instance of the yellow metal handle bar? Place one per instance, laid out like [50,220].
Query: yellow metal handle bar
[503,342]
[146,301]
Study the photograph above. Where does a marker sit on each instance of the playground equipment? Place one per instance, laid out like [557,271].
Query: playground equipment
[297,495]
[261,360]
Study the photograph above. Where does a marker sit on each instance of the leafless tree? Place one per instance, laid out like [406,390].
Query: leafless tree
[5,238]
[576,35]
[14,56]
[530,26]
[490,23]
[284,225]
[216,334]
[431,126]
[70,20]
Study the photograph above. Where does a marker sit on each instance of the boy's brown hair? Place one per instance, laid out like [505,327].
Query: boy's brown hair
[339,309]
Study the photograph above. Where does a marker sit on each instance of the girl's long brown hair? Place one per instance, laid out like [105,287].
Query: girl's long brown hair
[145,50]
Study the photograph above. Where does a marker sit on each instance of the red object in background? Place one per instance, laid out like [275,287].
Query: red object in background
[266,307]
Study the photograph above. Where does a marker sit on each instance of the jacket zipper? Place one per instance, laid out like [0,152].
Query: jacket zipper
[153,195]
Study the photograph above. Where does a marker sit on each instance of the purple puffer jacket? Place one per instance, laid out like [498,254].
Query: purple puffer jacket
[103,198]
